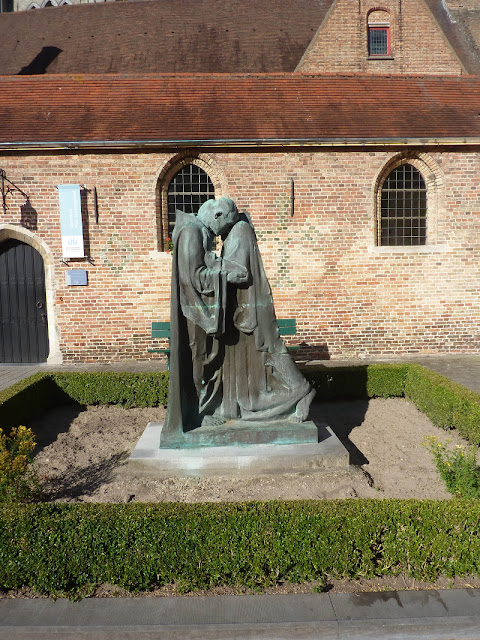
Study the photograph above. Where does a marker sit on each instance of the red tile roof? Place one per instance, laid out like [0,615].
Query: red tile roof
[206,109]
[161,36]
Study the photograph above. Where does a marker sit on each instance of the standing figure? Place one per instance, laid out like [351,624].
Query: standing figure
[260,379]
[197,318]
[228,362]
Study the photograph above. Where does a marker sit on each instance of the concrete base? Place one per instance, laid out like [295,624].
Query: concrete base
[147,459]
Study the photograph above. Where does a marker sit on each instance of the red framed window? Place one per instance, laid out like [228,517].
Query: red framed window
[379,41]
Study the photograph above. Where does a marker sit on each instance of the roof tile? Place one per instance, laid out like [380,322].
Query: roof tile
[201,108]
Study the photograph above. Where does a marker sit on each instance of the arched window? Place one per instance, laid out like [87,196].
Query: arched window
[379,34]
[403,208]
[189,188]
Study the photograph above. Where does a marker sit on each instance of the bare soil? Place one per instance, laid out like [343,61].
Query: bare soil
[82,457]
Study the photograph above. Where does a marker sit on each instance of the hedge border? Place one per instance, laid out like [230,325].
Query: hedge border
[71,548]
[448,404]
[42,391]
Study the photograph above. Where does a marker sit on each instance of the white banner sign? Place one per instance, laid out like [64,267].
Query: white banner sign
[71,221]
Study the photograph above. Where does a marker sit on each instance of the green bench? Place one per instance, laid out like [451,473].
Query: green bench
[161,330]
[288,327]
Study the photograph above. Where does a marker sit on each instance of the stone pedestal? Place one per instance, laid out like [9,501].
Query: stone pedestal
[240,452]
[241,433]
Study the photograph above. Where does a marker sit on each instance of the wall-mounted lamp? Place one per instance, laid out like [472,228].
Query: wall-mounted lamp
[7,186]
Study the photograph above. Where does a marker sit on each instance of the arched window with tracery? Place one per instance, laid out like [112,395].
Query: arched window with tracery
[189,188]
[403,208]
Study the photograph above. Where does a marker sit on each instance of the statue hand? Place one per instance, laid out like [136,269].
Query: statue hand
[237,277]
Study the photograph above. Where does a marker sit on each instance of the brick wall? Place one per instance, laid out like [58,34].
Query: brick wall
[350,298]
[417,43]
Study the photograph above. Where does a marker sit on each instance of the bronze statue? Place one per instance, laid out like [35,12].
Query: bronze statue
[228,362]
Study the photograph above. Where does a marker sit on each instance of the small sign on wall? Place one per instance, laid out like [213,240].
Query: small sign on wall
[71,221]
[76,277]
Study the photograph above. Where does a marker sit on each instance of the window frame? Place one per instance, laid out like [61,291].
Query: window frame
[165,175]
[379,27]
[434,179]
[404,194]
[209,192]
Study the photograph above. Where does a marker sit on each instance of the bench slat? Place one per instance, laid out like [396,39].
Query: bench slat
[160,334]
[287,322]
[161,330]
[287,331]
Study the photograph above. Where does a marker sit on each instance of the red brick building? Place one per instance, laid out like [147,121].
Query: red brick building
[360,173]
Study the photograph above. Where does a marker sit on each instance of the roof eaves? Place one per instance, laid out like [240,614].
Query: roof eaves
[238,142]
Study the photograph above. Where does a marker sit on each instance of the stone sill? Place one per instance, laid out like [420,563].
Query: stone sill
[417,249]
[159,255]
[380,58]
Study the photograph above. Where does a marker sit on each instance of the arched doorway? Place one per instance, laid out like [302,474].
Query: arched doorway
[23,305]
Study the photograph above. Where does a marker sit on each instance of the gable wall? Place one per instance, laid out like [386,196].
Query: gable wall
[418,45]
[350,298]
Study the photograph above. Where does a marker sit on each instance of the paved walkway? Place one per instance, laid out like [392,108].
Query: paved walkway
[402,615]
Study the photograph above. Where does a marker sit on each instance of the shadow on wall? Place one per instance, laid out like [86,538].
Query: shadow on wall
[41,62]
[28,216]
[85,220]
[310,352]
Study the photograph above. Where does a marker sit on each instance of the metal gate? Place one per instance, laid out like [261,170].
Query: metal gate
[23,305]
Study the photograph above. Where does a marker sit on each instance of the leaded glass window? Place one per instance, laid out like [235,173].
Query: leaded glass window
[403,220]
[188,190]
[379,41]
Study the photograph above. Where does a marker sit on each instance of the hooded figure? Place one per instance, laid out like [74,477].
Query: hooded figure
[228,361]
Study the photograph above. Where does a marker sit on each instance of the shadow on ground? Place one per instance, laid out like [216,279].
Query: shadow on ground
[80,481]
[59,421]
[342,418]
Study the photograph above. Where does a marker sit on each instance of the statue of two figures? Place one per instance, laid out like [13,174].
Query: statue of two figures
[232,380]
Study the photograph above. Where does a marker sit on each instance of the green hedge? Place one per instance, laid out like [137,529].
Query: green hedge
[126,389]
[66,547]
[40,392]
[446,403]
[359,381]
[70,547]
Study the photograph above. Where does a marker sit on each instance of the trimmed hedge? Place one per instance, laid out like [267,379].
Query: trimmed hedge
[358,381]
[446,403]
[68,547]
[31,397]
[126,389]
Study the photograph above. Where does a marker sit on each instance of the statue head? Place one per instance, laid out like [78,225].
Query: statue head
[219,215]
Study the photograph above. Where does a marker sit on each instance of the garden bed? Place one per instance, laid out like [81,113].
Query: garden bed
[83,456]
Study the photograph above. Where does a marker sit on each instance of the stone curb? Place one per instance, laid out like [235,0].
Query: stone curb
[396,615]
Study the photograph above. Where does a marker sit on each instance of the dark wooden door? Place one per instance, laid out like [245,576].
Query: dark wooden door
[23,305]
